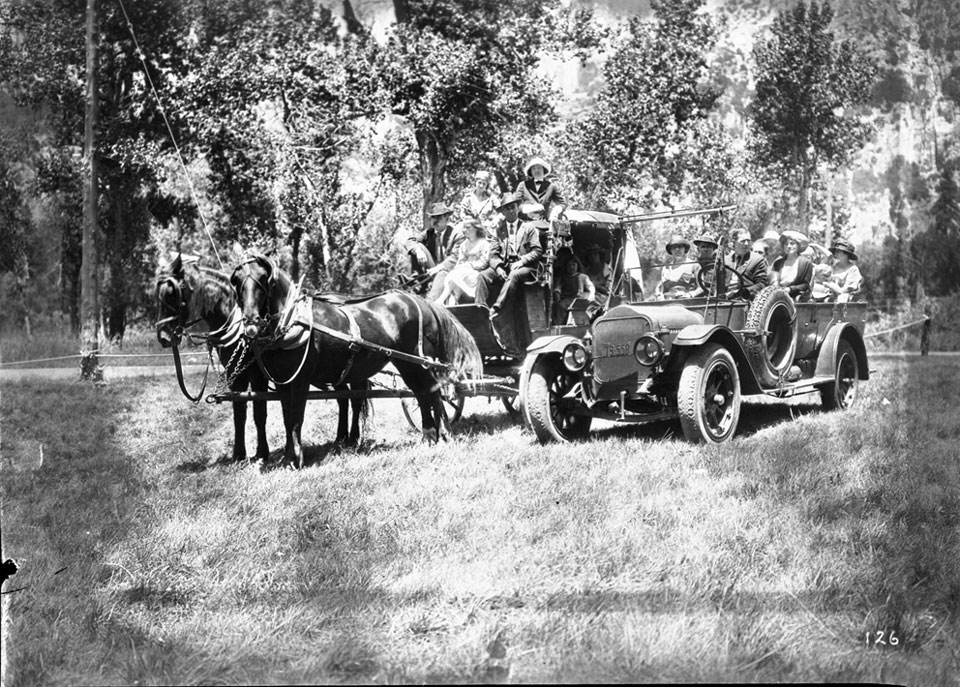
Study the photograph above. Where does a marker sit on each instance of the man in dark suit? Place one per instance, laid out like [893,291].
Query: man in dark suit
[433,252]
[752,266]
[515,253]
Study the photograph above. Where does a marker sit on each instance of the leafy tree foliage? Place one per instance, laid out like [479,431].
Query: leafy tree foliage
[808,84]
[460,72]
[44,59]
[654,100]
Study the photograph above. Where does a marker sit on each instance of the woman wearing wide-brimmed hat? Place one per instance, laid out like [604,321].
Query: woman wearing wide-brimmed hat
[536,188]
[791,271]
[678,278]
[845,278]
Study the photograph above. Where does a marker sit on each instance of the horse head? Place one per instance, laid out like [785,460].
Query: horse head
[261,290]
[173,297]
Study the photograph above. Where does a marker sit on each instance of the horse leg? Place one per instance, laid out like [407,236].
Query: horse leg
[287,407]
[259,384]
[239,438]
[343,419]
[361,407]
[298,405]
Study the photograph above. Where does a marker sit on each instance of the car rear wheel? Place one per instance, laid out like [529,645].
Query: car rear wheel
[842,392]
[546,411]
[708,398]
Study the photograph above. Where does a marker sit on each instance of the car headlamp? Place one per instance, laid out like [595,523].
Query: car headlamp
[648,350]
[575,357]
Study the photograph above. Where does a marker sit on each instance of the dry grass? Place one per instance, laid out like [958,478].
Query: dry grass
[631,557]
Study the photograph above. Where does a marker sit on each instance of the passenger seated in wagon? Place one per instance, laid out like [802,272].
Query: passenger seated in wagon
[598,269]
[536,188]
[569,285]
[515,253]
[433,252]
[473,257]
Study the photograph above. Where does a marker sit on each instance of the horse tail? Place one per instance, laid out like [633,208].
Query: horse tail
[456,346]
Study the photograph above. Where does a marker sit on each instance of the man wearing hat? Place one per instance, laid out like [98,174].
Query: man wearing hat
[845,279]
[751,266]
[678,277]
[536,188]
[706,253]
[433,251]
[515,252]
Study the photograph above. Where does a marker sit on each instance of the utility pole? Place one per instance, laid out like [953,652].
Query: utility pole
[90,369]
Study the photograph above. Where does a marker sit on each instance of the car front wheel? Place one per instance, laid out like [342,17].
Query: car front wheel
[708,398]
[546,410]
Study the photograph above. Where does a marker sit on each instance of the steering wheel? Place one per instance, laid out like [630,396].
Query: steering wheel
[708,288]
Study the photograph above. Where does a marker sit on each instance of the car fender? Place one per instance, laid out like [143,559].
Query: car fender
[693,336]
[827,358]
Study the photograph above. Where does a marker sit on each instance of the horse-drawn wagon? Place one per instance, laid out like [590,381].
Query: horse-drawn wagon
[637,362]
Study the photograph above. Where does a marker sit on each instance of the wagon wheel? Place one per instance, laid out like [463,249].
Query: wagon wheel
[841,393]
[546,410]
[453,405]
[511,404]
[708,397]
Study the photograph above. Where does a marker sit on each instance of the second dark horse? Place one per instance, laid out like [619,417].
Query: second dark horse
[287,330]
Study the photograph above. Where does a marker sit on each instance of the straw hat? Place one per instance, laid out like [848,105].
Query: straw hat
[802,240]
[846,247]
[678,240]
[537,161]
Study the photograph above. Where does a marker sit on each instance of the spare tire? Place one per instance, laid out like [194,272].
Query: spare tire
[774,315]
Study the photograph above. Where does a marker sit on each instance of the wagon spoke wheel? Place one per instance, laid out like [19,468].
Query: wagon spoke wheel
[547,412]
[708,398]
[452,404]
[842,392]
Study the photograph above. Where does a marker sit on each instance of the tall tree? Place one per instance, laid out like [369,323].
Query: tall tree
[45,66]
[460,72]
[940,244]
[808,87]
[655,97]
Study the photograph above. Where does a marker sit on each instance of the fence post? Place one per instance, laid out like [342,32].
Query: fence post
[925,336]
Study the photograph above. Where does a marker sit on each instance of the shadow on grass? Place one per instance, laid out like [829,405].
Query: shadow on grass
[879,491]
[83,496]
[754,418]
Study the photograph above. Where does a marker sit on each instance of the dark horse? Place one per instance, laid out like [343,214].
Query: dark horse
[189,293]
[304,341]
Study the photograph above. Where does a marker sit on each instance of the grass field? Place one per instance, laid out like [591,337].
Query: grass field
[781,556]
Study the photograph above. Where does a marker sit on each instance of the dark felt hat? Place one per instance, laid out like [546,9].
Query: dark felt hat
[706,239]
[846,247]
[506,199]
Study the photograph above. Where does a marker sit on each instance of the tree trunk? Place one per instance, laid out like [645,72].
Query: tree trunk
[90,369]
[803,205]
[433,167]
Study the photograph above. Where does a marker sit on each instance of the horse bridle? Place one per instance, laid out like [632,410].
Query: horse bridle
[176,312]
[260,321]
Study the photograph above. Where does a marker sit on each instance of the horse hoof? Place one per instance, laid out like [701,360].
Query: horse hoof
[431,436]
